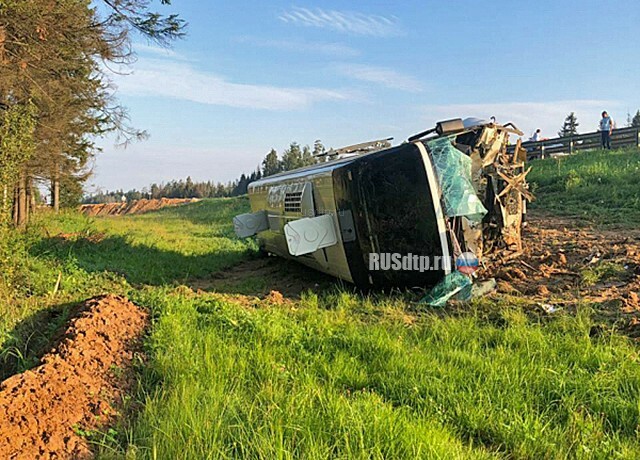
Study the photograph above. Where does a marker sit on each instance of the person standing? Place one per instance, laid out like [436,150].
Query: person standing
[606,127]
[535,137]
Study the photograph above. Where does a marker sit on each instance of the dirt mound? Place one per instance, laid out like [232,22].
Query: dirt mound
[76,388]
[132,207]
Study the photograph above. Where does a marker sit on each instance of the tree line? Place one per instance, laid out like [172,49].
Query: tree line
[56,95]
[295,156]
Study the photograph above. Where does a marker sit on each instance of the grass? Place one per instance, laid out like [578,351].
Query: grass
[97,256]
[335,374]
[602,272]
[171,245]
[342,376]
[600,186]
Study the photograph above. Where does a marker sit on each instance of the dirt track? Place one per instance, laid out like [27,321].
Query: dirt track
[132,207]
[77,387]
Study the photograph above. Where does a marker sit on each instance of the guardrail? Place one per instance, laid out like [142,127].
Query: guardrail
[623,137]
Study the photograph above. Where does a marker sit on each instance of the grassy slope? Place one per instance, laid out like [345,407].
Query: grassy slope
[599,186]
[337,374]
[99,256]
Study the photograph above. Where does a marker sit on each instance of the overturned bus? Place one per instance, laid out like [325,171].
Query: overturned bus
[448,191]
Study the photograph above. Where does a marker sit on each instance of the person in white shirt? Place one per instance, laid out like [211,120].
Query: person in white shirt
[606,127]
[536,136]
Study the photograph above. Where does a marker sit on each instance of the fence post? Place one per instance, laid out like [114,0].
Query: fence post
[542,152]
[638,136]
[571,146]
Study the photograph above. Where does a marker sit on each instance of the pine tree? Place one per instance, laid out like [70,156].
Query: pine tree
[318,148]
[307,157]
[319,152]
[270,164]
[292,157]
[635,121]
[52,55]
[570,126]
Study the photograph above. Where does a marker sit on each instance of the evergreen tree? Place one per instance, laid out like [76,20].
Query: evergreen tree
[52,56]
[635,121]
[220,190]
[190,190]
[292,157]
[271,164]
[318,148]
[307,157]
[319,151]
[570,126]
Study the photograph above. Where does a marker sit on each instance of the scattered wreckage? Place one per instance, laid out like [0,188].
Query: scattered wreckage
[451,191]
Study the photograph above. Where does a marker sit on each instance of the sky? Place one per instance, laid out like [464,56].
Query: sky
[251,76]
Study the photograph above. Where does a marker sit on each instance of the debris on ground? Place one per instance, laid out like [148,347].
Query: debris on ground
[548,308]
[46,412]
[132,207]
[482,288]
[275,298]
[565,264]
[452,284]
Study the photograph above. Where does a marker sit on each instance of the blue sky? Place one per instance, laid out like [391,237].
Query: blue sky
[255,75]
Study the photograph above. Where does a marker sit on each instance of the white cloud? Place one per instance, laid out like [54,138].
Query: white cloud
[180,80]
[382,76]
[328,49]
[343,21]
[156,51]
[528,116]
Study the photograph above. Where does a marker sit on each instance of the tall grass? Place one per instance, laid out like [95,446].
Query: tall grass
[164,247]
[341,376]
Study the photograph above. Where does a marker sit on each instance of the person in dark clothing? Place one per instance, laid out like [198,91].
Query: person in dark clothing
[606,127]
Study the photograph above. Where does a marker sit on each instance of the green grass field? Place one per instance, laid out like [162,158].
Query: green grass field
[335,373]
[597,186]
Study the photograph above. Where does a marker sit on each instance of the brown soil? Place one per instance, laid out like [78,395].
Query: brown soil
[78,386]
[95,238]
[270,278]
[558,256]
[132,207]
